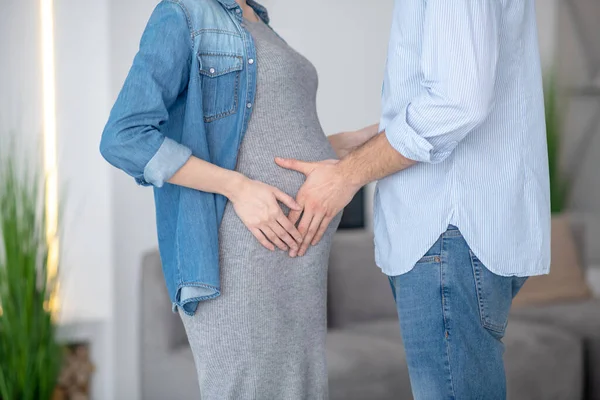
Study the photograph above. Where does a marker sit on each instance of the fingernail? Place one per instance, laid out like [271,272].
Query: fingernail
[293,254]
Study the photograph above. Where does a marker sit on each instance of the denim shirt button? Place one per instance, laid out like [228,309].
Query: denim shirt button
[249,105]
[212,70]
[251,61]
[237,10]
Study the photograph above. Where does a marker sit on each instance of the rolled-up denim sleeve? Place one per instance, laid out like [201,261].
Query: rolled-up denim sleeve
[458,64]
[132,140]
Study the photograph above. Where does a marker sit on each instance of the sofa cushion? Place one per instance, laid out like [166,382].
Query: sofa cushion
[566,281]
[161,329]
[542,361]
[581,318]
[388,329]
[358,290]
[172,377]
[365,367]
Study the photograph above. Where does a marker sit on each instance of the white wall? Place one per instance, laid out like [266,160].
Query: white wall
[82,81]
[20,77]
[82,101]
[134,228]
[82,105]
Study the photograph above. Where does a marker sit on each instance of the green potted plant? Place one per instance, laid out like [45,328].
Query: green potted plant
[30,356]
[558,184]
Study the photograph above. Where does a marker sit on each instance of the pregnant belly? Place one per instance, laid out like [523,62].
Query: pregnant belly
[256,160]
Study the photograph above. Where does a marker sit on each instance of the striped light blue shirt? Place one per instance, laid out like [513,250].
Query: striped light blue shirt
[463,96]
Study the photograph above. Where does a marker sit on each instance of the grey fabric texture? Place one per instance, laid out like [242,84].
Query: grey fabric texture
[264,337]
[358,290]
[582,318]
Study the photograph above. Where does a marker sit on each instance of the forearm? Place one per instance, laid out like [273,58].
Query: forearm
[375,160]
[204,176]
[345,142]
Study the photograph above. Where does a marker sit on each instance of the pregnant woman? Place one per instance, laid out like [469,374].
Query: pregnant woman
[213,96]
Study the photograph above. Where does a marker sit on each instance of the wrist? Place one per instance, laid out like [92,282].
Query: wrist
[349,178]
[233,185]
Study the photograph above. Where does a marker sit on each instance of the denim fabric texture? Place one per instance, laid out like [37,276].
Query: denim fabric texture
[453,314]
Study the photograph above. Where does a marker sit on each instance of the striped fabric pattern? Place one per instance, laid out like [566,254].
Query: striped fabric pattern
[463,96]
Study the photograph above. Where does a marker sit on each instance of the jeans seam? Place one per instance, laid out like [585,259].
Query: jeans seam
[444,311]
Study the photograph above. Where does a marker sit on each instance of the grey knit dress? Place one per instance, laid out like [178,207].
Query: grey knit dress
[264,337]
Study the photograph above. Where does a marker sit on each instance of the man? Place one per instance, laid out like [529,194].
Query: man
[462,212]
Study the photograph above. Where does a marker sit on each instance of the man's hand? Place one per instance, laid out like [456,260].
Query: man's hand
[345,142]
[324,194]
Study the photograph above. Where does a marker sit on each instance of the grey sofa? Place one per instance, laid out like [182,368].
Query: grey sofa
[551,352]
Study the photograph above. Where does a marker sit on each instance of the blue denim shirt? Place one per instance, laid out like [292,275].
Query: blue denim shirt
[190,91]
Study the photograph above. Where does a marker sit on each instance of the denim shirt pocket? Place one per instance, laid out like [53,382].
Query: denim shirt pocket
[220,73]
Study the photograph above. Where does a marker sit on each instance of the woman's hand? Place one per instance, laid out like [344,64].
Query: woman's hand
[256,204]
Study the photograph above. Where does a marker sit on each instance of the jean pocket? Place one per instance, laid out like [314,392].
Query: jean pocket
[433,255]
[430,259]
[494,296]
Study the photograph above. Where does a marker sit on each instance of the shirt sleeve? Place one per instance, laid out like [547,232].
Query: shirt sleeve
[458,62]
[132,140]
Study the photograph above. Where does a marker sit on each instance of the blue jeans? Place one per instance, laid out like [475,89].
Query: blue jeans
[453,313]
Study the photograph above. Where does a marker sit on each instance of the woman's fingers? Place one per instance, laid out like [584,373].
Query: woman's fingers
[322,229]
[284,236]
[290,228]
[273,238]
[310,234]
[262,239]
[287,200]
[293,217]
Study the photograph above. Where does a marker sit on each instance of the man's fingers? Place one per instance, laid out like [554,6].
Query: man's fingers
[302,228]
[322,229]
[262,239]
[310,234]
[296,165]
[305,223]
[290,228]
[287,200]
[274,238]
